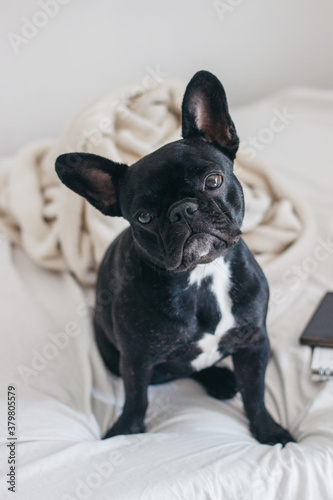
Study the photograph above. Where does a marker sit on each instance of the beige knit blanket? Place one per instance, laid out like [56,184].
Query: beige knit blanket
[62,231]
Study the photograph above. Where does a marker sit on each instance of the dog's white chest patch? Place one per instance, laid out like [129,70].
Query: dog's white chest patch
[220,286]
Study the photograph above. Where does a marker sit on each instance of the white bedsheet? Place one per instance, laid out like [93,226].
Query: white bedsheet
[195,447]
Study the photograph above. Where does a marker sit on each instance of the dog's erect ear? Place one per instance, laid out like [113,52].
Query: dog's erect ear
[205,113]
[94,177]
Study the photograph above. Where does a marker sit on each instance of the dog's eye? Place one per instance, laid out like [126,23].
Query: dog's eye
[144,217]
[213,181]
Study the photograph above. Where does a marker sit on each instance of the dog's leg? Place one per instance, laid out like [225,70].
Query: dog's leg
[136,380]
[109,353]
[250,366]
[218,382]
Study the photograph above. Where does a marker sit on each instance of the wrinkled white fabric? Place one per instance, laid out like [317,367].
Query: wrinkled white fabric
[195,446]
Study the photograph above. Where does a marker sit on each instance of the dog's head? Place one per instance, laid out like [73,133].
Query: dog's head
[183,201]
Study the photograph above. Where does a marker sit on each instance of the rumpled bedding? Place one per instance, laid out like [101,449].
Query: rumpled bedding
[195,447]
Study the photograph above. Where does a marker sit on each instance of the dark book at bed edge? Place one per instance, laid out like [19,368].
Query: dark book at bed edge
[319,330]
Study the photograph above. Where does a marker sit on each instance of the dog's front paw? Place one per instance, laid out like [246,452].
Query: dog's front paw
[125,427]
[272,433]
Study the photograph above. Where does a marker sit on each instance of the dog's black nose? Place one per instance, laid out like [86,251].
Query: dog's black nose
[182,209]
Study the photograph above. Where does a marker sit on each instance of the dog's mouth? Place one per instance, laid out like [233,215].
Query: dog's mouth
[202,248]
[199,245]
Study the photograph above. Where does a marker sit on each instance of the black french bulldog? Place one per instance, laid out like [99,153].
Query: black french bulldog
[190,291]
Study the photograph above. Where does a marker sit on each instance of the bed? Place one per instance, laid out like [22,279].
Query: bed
[195,447]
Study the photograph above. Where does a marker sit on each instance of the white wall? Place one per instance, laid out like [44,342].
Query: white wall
[256,47]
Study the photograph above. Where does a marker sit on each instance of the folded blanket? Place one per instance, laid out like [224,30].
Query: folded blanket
[62,231]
